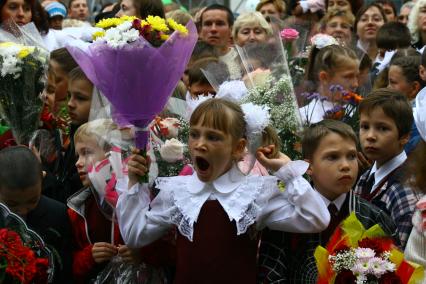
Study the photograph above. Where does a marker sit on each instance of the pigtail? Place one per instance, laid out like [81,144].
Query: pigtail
[270,137]
[416,173]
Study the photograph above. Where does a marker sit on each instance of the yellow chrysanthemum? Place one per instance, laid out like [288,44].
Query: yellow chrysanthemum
[164,37]
[24,52]
[127,19]
[98,34]
[177,27]
[157,23]
[7,44]
[144,23]
[108,23]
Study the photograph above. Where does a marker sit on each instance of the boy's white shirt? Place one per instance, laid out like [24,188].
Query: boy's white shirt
[338,201]
[245,199]
[382,172]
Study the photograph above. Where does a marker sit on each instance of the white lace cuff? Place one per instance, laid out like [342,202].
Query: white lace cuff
[292,170]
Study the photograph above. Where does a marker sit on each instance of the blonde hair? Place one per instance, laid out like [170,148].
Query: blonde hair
[279,4]
[228,117]
[104,131]
[413,18]
[347,16]
[251,18]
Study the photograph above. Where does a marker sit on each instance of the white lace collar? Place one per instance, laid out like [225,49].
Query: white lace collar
[235,192]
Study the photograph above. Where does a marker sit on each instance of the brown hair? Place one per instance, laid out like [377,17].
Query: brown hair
[77,74]
[313,135]
[347,16]
[327,59]
[212,64]
[394,104]
[416,174]
[228,117]
[64,59]
[279,4]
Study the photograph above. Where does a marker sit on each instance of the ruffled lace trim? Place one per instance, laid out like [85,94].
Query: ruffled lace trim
[183,224]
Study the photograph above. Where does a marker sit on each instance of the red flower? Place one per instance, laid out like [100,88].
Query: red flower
[379,245]
[345,277]
[21,262]
[390,278]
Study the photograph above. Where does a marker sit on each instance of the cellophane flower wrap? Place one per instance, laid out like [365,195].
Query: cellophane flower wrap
[22,77]
[24,258]
[137,64]
[269,84]
[357,255]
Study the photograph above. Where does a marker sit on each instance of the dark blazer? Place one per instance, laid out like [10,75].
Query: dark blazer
[50,220]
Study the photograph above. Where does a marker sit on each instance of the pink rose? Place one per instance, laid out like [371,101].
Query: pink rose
[289,34]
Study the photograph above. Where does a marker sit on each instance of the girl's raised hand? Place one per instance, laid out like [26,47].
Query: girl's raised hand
[102,252]
[138,166]
[263,155]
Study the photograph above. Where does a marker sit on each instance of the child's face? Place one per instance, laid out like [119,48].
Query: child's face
[61,81]
[334,166]
[212,151]
[49,91]
[21,201]
[80,98]
[346,76]
[199,89]
[379,136]
[398,81]
[89,152]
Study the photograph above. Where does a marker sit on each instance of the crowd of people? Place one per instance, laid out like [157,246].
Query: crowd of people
[252,200]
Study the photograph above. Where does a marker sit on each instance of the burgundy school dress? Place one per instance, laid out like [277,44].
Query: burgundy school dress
[216,254]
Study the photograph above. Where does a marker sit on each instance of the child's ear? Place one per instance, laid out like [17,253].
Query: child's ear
[404,139]
[422,72]
[240,148]
[323,76]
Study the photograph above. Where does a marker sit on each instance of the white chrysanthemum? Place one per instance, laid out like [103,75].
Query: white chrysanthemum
[323,40]
[364,253]
[361,267]
[10,66]
[233,91]
[377,266]
[130,35]
[124,26]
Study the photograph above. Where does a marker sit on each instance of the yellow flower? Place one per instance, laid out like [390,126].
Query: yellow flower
[164,37]
[107,23]
[177,27]
[127,19]
[25,51]
[98,34]
[7,44]
[157,23]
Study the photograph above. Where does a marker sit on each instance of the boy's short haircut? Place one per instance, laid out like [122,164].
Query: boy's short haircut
[20,168]
[313,135]
[212,65]
[393,35]
[424,58]
[77,74]
[394,104]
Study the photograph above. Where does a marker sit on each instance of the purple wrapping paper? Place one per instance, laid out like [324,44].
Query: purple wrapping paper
[137,79]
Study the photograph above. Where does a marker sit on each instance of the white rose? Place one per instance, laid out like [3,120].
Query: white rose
[172,150]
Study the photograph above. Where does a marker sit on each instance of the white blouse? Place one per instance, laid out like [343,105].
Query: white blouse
[245,199]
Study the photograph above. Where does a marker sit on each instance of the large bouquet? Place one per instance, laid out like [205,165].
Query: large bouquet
[21,80]
[136,64]
[270,85]
[24,258]
[356,255]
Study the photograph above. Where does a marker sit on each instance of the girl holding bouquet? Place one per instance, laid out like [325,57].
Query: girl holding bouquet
[329,65]
[214,209]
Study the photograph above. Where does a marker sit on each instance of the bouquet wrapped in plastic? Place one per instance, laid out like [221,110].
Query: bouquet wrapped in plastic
[136,64]
[270,84]
[21,82]
[24,257]
[357,255]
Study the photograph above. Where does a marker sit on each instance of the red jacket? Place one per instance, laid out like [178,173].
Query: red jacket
[157,254]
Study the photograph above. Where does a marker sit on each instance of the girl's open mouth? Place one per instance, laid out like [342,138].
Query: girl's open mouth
[202,163]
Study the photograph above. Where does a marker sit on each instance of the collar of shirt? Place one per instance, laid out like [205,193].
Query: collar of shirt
[338,201]
[381,173]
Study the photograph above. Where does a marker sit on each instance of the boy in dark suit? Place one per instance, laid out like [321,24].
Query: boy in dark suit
[331,149]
